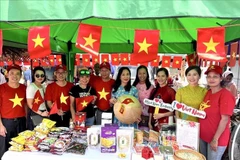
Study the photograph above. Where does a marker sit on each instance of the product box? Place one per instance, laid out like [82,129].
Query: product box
[108,139]
[93,137]
[124,140]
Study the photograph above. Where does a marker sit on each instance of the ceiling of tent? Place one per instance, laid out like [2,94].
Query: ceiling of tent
[176,21]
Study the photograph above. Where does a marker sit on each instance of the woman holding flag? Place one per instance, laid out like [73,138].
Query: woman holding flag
[35,96]
[83,97]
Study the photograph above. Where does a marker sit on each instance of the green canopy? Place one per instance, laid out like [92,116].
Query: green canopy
[177,21]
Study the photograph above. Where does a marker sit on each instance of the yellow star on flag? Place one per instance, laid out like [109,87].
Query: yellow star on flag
[105,60]
[38,41]
[36,100]
[124,59]
[89,41]
[115,59]
[155,60]
[166,61]
[144,46]
[191,60]
[177,62]
[84,104]
[96,59]
[103,94]
[211,45]
[16,101]
[233,55]
[86,60]
[63,98]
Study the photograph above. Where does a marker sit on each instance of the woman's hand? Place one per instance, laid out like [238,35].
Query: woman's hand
[214,144]
[150,126]
[113,100]
[45,114]
[3,131]
[158,116]
[60,112]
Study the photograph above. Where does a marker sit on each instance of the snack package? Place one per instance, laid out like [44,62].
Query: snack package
[93,137]
[153,136]
[108,139]
[76,148]
[124,140]
[19,139]
[17,149]
[27,133]
[80,120]
[48,123]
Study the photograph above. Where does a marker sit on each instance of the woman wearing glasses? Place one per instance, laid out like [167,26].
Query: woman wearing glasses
[80,91]
[218,104]
[34,101]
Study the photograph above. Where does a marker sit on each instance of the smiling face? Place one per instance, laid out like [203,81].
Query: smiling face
[105,73]
[61,75]
[214,79]
[142,75]
[162,78]
[125,76]
[193,77]
[39,76]
[14,76]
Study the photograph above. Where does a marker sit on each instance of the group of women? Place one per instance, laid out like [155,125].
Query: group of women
[216,101]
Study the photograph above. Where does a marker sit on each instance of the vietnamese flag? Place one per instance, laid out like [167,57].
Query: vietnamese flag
[51,60]
[133,61]
[43,62]
[77,60]
[86,60]
[58,59]
[37,101]
[39,42]
[233,54]
[54,108]
[177,61]
[124,59]
[83,102]
[1,42]
[95,59]
[88,38]
[155,62]
[146,44]
[210,44]
[115,59]
[192,59]
[166,60]
[105,58]
[35,62]
[26,61]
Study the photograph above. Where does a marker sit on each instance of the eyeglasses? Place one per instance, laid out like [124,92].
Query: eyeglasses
[60,72]
[39,75]
[84,72]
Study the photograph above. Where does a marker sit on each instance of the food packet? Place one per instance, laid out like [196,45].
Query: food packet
[27,133]
[19,139]
[93,137]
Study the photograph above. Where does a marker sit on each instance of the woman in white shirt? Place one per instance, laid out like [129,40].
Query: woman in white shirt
[36,104]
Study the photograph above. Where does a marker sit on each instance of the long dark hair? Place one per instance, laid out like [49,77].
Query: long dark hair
[38,69]
[157,85]
[147,82]
[118,80]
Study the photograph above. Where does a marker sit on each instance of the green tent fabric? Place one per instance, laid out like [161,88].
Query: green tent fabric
[177,34]
[35,10]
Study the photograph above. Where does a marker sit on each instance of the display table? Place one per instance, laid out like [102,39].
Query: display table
[89,155]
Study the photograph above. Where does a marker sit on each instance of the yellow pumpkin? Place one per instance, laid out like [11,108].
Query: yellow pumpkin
[127,109]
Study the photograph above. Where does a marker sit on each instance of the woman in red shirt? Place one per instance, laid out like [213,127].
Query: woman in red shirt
[164,92]
[218,105]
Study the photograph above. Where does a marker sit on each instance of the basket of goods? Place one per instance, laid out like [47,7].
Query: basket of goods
[127,109]
[186,154]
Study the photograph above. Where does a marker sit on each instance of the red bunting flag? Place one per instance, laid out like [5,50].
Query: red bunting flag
[58,59]
[233,54]
[115,59]
[124,59]
[166,60]
[54,109]
[210,44]
[1,42]
[192,59]
[35,62]
[43,62]
[18,62]
[77,60]
[95,59]
[133,62]
[105,58]
[37,101]
[146,44]
[86,60]
[83,102]
[51,60]
[88,38]
[39,42]
[177,61]
[26,61]
[9,62]
[155,62]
